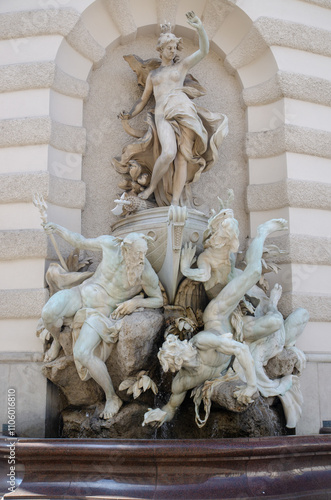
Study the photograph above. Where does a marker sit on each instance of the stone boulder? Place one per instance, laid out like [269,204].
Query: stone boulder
[282,364]
[62,372]
[85,423]
[139,340]
[136,350]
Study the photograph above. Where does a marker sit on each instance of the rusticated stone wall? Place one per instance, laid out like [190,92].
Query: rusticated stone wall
[278,56]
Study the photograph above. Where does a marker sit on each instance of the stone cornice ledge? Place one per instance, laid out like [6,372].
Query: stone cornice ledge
[23,244]
[290,85]
[26,76]
[82,40]
[20,187]
[21,357]
[42,130]
[121,13]
[266,32]
[288,138]
[289,192]
[67,192]
[26,303]
[65,22]
[40,75]
[321,3]
[318,306]
[69,85]
[303,249]
[68,138]
[318,357]
[213,16]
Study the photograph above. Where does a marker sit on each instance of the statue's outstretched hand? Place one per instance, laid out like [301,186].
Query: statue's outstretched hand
[124,115]
[188,256]
[193,20]
[50,227]
[154,418]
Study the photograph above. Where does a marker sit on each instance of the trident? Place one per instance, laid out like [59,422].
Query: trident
[40,203]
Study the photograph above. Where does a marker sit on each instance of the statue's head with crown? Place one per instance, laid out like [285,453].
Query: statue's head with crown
[167,36]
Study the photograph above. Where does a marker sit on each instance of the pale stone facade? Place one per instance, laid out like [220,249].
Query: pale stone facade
[63,81]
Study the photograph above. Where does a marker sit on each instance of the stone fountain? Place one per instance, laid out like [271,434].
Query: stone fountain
[169,295]
[176,335]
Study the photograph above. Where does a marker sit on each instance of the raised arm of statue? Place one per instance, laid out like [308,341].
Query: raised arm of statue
[202,272]
[196,57]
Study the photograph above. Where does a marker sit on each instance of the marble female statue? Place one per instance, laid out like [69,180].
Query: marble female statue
[186,136]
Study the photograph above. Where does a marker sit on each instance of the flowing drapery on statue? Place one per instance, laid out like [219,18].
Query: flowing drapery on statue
[182,139]
[183,114]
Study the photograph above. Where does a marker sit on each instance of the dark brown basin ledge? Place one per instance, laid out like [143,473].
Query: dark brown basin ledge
[273,467]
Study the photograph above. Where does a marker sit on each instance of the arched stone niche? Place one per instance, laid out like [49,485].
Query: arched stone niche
[113,87]
[257,73]
[276,53]
[239,61]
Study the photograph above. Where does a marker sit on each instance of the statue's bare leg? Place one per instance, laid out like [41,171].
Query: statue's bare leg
[230,347]
[168,143]
[275,295]
[228,299]
[63,304]
[180,175]
[87,341]
[53,352]
[271,322]
[258,328]
[295,324]
[255,250]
